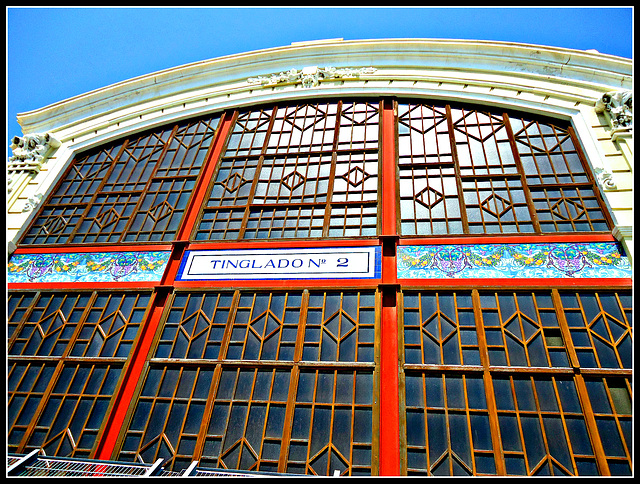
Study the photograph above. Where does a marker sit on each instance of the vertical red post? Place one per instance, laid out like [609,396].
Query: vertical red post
[199,192]
[132,371]
[389,455]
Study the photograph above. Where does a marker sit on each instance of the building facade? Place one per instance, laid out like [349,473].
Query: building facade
[383,257]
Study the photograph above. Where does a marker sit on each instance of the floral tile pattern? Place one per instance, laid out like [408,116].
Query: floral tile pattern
[88,267]
[558,260]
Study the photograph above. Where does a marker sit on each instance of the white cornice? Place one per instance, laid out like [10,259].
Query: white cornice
[553,71]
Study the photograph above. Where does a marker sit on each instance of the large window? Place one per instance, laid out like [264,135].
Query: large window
[261,381]
[489,382]
[312,171]
[465,171]
[65,355]
[135,190]
[301,171]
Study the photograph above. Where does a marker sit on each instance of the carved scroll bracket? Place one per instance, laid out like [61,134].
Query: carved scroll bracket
[604,178]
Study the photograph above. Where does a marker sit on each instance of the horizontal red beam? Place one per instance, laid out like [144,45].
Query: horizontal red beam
[519,282]
[283,244]
[509,239]
[281,284]
[53,249]
[33,286]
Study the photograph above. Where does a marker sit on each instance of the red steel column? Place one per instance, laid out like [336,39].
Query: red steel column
[389,455]
[132,373]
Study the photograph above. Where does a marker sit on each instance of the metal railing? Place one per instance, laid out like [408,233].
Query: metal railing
[37,464]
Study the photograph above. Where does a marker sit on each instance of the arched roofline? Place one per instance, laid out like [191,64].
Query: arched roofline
[488,72]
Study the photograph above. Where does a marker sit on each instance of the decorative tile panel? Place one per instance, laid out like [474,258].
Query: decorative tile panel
[557,260]
[88,267]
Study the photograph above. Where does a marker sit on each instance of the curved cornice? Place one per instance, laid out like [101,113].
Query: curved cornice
[559,70]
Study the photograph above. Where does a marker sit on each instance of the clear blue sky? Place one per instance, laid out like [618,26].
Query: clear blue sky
[56,53]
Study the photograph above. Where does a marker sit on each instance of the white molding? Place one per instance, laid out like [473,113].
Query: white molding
[576,76]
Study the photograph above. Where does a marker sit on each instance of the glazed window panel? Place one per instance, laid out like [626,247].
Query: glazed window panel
[233,182]
[423,134]
[168,416]
[600,327]
[332,427]
[265,326]
[429,201]
[547,153]
[136,163]
[440,329]
[447,425]
[195,325]
[54,224]
[566,209]
[188,148]
[249,133]
[353,220]
[295,179]
[48,329]
[542,426]
[500,171]
[27,384]
[80,324]
[298,171]
[17,307]
[611,401]
[111,325]
[106,218]
[245,430]
[482,143]
[522,329]
[497,205]
[220,224]
[356,178]
[340,326]
[358,126]
[75,409]
[85,176]
[285,222]
[131,190]
[159,215]
[303,128]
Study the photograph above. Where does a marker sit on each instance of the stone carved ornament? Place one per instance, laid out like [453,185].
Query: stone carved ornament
[29,151]
[310,76]
[619,105]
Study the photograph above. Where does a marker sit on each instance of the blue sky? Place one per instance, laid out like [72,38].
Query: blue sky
[56,53]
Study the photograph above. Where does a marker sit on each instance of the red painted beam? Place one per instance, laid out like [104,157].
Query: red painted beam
[389,453]
[200,190]
[132,373]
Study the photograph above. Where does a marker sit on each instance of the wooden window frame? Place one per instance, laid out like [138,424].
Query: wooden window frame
[597,461]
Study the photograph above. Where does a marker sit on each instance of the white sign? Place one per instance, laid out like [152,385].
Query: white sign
[310,263]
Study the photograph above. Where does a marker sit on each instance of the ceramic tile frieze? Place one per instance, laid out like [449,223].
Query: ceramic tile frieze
[88,267]
[553,260]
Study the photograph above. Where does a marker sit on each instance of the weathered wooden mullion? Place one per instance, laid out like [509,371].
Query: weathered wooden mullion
[456,162]
[523,179]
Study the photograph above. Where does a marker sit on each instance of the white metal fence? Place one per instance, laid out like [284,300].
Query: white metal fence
[37,464]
